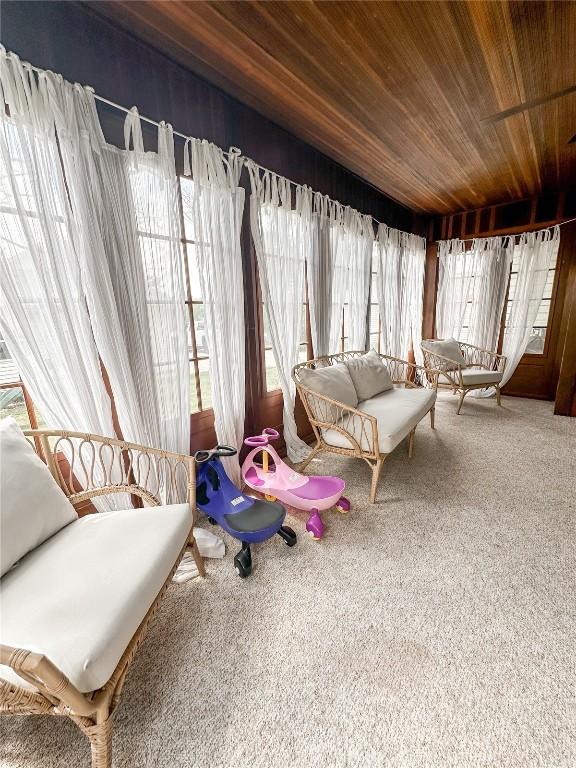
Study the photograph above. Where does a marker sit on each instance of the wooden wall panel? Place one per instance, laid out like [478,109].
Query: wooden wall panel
[565,402]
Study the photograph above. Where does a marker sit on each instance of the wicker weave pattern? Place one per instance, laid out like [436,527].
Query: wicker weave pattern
[356,426]
[101,465]
[475,357]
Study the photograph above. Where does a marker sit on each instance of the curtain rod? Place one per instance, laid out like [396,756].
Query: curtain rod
[518,234]
[185,137]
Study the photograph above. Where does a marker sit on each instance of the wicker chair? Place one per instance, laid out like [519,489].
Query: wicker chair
[482,369]
[359,430]
[98,466]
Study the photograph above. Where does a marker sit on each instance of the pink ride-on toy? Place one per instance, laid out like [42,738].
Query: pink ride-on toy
[313,494]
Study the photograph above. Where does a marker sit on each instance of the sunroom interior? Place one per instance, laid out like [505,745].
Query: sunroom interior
[287,383]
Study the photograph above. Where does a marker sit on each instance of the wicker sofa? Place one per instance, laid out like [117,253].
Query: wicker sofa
[76,607]
[375,426]
[465,369]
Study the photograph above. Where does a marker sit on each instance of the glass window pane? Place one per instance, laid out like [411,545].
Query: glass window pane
[205,384]
[267,339]
[193,274]
[346,320]
[374,289]
[200,330]
[374,318]
[194,408]
[12,404]
[272,381]
[303,334]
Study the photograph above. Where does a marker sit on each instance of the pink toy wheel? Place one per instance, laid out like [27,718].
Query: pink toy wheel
[315,525]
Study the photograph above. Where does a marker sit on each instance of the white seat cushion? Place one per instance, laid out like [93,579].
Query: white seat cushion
[473,376]
[397,411]
[32,505]
[80,597]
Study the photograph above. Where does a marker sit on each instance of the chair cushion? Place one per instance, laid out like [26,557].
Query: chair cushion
[33,507]
[334,382]
[474,376]
[397,411]
[80,597]
[445,348]
[369,375]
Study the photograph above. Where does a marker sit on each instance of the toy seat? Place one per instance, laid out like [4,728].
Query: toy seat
[243,517]
[280,481]
[261,514]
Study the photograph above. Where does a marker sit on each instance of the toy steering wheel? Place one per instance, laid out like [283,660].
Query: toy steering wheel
[221,451]
[224,450]
[259,441]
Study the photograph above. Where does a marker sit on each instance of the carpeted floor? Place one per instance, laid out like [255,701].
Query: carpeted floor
[435,629]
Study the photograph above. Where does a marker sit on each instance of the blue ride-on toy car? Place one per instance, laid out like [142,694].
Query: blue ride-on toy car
[245,518]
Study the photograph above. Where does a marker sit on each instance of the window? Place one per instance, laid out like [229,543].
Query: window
[272,380]
[200,387]
[375,323]
[538,335]
[13,398]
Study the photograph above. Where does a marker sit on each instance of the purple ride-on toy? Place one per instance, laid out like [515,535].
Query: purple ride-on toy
[247,519]
[313,494]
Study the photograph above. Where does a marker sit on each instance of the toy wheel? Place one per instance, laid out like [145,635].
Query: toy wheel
[269,498]
[343,505]
[315,526]
[243,562]
[212,521]
[288,535]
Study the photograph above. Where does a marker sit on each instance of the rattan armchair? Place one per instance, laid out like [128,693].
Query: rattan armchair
[482,369]
[98,466]
[359,429]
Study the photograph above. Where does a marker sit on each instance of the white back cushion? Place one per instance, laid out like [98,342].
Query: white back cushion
[446,348]
[333,381]
[369,375]
[32,505]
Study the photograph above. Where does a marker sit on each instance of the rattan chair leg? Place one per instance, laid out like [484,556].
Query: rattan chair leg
[308,459]
[432,414]
[198,559]
[411,443]
[376,468]
[498,394]
[100,736]
[462,395]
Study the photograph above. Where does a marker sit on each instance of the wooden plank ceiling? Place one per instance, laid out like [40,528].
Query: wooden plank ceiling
[408,95]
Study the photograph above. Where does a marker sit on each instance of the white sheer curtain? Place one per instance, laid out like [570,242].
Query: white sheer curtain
[401,259]
[328,276]
[213,204]
[472,289]
[537,253]
[492,274]
[126,205]
[455,288]
[43,313]
[284,233]
[358,245]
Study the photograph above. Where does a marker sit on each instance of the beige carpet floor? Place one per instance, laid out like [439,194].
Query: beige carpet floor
[435,629]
